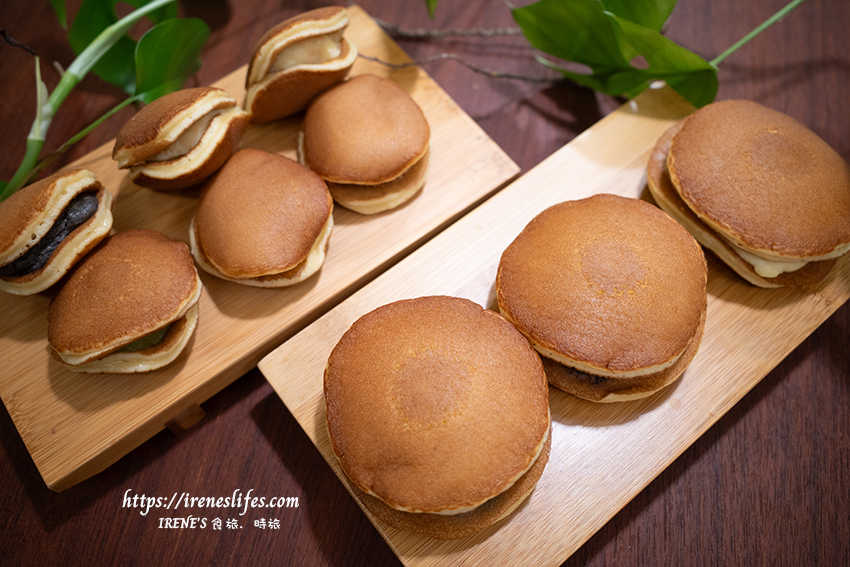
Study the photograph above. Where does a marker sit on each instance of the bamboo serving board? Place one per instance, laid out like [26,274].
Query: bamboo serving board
[75,425]
[602,454]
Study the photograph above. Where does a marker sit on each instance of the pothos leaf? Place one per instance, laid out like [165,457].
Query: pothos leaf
[583,31]
[649,13]
[117,65]
[59,8]
[167,55]
[432,7]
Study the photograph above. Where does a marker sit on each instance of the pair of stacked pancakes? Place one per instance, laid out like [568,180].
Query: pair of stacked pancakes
[764,193]
[438,412]
[611,291]
[48,226]
[131,305]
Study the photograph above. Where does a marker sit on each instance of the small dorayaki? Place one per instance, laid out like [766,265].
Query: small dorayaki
[296,60]
[46,227]
[263,220]
[611,288]
[180,139]
[764,193]
[369,140]
[129,306]
[438,412]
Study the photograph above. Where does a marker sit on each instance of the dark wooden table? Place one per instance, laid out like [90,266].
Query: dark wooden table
[769,484]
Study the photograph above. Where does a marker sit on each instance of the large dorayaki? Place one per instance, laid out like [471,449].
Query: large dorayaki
[611,287]
[180,139]
[438,412]
[763,192]
[130,305]
[48,226]
[369,140]
[263,220]
[296,60]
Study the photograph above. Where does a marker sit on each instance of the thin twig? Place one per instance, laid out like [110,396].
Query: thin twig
[430,34]
[465,63]
[15,43]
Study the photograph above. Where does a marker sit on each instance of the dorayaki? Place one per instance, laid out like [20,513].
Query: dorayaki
[46,227]
[768,196]
[611,288]
[180,139]
[369,140]
[296,60]
[263,220]
[438,412]
[129,306]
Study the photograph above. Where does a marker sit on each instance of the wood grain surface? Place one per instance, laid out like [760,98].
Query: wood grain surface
[765,485]
[76,425]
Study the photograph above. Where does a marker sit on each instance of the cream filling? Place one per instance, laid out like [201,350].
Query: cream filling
[767,268]
[130,362]
[68,187]
[310,51]
[300,33]
[76,359]
[199,154]
[463,510]
[315,260]
[97,227]
[188,139]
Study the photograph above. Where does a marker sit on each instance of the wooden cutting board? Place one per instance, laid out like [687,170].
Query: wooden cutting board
[602,454]
[75,425]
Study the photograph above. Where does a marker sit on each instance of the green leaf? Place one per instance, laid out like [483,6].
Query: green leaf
[167,55]
[117,65]
[649,13]
[583,31]
[432,7]
[59,8]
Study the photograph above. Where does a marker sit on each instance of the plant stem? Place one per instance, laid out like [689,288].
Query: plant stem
[767,23]
[75,73]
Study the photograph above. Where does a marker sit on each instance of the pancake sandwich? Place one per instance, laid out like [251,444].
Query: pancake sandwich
[369,140]
[46,227]
[263,220]
[764,193]
[296,60]
[611,291]
[131,305]
[180,139]
[438,412]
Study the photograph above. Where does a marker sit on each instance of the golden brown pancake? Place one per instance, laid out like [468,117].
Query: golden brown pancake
[668,199]
[436,406]
[608,285]
[763,181]
[263,220]
[296,60]
[71,209]
[366,132]
[181,138]
[133,284]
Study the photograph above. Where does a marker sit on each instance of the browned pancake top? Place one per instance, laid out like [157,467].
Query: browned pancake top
[435,403]
[607,281]
[261,214]
[22,208]
[133,283]
[145,126]
[763,178]
[366,130]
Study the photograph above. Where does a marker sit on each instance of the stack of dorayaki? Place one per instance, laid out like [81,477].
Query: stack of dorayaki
[129,302]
